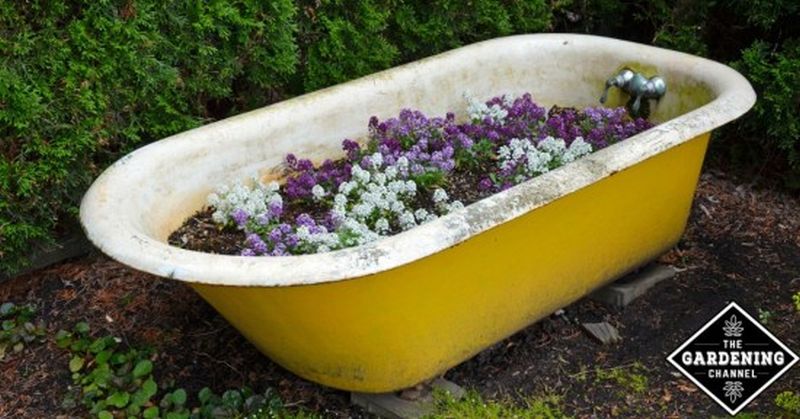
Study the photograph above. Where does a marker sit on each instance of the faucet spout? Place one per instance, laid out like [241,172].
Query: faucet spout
[638,86]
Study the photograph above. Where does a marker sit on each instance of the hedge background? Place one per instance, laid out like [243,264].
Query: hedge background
[83,82]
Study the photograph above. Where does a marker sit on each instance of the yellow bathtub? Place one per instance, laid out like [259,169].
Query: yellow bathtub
[392,313]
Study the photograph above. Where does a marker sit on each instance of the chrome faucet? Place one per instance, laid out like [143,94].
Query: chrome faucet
[637,85]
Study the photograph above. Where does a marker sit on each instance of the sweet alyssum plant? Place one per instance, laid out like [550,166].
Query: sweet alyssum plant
[404,175]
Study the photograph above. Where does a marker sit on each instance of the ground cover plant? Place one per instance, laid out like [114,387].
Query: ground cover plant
[17,328]
[410,170]
[113,381]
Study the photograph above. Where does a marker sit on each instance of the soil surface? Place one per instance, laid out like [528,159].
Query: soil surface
[742,244]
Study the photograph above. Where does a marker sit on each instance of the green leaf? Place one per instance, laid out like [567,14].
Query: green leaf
[97,346]
[63,338]
[119,399]
[204,395]
[82,327]
[6,308]
[142,368]
[105,414]
[75,364]
[179,397]
[150,413]
[103,357]
[149,389]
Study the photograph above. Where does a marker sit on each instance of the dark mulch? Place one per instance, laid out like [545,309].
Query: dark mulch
[742,244]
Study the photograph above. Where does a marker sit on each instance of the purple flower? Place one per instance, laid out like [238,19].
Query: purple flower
[305,220]
[262,219]
[240,217]
[248,252]
[255,242]
[275,209]
[292,240]
[275,235]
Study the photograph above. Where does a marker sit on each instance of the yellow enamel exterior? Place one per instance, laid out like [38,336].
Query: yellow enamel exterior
[396,328]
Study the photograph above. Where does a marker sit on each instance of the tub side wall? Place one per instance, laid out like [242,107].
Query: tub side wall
[394,329]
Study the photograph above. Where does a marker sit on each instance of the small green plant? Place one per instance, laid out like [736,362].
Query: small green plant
[629,377]
[116,382]
[789,401]
[112,381]
[239,404]
[17,328]
[796,299]
[764,316]
[473,406]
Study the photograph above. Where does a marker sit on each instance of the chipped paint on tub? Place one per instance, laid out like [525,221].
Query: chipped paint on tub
[394,312]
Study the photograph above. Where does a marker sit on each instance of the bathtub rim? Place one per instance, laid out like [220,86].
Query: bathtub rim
[122,241]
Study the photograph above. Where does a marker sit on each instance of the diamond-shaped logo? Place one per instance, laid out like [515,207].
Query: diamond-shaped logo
[733,358]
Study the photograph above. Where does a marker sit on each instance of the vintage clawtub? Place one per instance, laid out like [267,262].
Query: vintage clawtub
[401,310]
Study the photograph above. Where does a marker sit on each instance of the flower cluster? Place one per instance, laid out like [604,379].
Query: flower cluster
[238,203]
[598,126]
[397,180]
[302,177]
[522,159]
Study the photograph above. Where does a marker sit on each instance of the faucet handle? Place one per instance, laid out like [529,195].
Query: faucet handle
[637,85]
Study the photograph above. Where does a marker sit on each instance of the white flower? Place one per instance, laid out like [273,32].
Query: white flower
[251,199]
[360,175]
[406,220]
[382,225]
[439,196]
[340,199]
[421,215]
[454,206]
[346,187]
[478,111]
[390,173]
[377,160]
[411,187]
[363,210]
[554,146]
[537,162]
[577,149]
[318,192]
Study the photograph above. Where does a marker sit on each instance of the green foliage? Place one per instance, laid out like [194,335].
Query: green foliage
[17,328]
[423,28]
[796,299]
[773,126]
[83,82]
[788,401]
[112,382]
[473,406]
[629,378]
[240,404]
[765,316]
[342,40]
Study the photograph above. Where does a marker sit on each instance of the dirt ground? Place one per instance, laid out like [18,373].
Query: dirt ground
[742,244]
